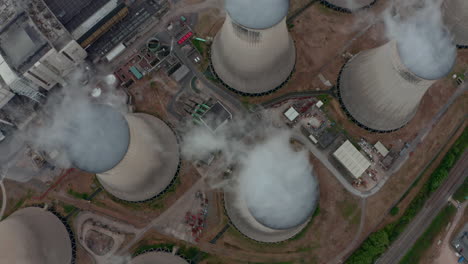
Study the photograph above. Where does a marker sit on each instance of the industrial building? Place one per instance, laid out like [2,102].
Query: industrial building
[460,244]
[253,53]
[158,257]
[214,117]
[35,50]
[348,6]
[350,157]
[34,236]
[135,156]
[456,19]
[379,92]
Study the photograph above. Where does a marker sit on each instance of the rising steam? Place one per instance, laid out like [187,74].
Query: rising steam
[276,182]
[424,43]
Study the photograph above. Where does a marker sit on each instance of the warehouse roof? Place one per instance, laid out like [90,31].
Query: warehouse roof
[291,114]
[216,116]
[381,148]
[348,155]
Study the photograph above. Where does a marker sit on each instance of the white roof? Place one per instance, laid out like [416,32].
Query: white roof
[7,74]
[313,139]
[352,159]
[381,148]
[115,51]
[5,96]
[94,19]
[319,103]
[291,114]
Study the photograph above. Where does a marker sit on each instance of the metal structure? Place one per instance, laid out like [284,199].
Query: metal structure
[378,91]
[135,156]
[34,236]
[253,52]
[456,19]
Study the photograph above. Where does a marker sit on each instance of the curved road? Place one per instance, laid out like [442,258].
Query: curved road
[423,219]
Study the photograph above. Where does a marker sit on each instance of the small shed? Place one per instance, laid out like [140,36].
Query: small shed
[381,148]
[291,114]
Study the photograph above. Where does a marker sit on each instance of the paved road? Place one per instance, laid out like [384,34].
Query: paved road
[433,206]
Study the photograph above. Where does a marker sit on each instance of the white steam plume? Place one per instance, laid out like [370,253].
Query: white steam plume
[424,43]
[276,182]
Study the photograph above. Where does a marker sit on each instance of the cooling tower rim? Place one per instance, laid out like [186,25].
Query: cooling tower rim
[124,149]
[440,76]
[245,13]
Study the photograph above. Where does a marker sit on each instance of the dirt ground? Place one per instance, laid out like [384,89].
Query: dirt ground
[443,253]
[329,232]
[399,182]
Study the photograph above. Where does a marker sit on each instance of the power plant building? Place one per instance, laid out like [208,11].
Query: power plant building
[456,19]
[379,92]
[135,156]
[253,53]
[34,236]
[350,157]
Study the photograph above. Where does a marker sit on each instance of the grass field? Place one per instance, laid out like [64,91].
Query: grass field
[429,236]
[462,193]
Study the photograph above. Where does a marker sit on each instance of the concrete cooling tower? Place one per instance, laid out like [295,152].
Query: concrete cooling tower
[34,236]
[456,19]
[158,257]
[381,90]
[253,53]
[275,193]
[135,156]
[348,5]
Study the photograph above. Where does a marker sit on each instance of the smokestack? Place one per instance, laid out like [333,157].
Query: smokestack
[34,236]
[253,53]
[456,19]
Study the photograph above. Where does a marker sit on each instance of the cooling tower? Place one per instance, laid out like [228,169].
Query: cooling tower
[348,5]
[135,156]
[158,257]
[253,53]
[379,92]
[456,19]
[34,236]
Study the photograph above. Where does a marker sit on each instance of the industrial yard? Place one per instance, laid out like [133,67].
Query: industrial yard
[192,131]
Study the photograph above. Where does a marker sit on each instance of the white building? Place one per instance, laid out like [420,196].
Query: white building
[353,160]
[253,52]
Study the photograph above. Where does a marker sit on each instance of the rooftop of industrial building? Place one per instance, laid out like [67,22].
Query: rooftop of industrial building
[21,44]
[348,155]
[73,13]
[216,116]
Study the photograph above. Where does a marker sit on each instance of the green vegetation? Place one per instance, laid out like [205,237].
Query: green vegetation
[325,98]
[144,248]
[191,253]
[199,45]
[67,208]
[426,240]
[290,26]
[78,195]
[378,242]
[462,192]
[394,211]
[347,208]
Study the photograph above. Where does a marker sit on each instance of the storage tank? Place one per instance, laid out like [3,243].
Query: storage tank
[34,236]
[382,94]
[348,5]
[135,156]
[456,19]
[253,52]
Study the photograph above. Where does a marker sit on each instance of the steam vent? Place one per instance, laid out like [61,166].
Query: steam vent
[273,203]
[456,19]
[253,52]
[349,5]
[135,156]
[381,90]
[34,236]
[158,257]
